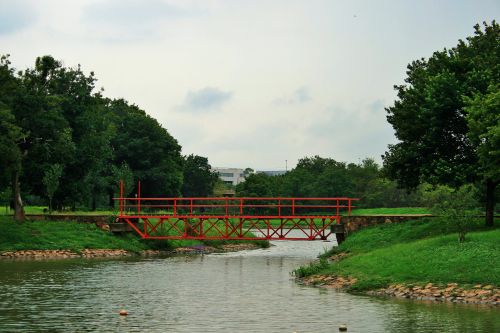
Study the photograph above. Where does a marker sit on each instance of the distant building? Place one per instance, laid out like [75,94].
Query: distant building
[273,173]
[230,176]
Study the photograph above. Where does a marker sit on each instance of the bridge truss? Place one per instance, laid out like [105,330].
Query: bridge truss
[232,218]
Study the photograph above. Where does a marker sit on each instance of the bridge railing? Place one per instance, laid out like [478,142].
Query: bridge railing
[227,207]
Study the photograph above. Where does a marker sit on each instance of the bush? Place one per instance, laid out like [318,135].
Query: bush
[457,209]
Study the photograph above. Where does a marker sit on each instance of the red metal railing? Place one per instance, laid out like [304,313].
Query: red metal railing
[242,218]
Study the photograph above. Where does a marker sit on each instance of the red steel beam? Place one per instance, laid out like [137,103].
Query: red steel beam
[231,218]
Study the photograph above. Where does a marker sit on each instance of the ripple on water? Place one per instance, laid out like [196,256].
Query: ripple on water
[248,291]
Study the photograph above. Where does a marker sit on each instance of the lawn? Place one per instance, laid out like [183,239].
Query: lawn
[391,211]
[420,251]
[63,235]
[44,235]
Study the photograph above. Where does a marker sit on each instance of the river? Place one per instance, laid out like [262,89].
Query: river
[248,291]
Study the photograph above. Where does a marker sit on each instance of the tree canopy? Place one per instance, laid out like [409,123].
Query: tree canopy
[446,117]
[52,115]
[199,180]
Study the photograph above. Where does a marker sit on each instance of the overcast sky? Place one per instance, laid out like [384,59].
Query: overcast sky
[248,83]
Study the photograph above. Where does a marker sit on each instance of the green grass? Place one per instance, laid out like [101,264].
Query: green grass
[357,211]
[390,211]
[44,210]
[416,252]
[48,235]
[44,235]
[385,235]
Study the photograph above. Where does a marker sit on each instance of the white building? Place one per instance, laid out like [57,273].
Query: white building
[231,176]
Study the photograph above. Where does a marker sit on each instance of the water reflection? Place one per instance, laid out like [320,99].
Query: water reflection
[249,291]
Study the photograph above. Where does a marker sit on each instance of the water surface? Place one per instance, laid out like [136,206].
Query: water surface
[249,291]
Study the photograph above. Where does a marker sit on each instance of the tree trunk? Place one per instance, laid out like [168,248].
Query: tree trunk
[18,202]
[94,205]
[490,201]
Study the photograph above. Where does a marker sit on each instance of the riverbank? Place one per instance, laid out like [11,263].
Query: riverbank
[418,259]
[48,239]
[107,253]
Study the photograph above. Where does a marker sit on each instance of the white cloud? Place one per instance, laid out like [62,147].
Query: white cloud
[247,83]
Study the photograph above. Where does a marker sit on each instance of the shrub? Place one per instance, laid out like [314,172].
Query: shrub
[457,209]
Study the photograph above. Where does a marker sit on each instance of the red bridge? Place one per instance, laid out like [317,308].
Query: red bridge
[224,218]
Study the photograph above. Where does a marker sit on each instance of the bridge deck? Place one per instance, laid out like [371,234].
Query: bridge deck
[236,218]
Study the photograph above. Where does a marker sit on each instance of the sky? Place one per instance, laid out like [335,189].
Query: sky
[256,83]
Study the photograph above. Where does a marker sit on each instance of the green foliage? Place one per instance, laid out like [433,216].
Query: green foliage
[51,181]
[391,211]
[258,185]
[151,152]
[458,210]
[439,260]
[199,180]
[12,134]
[483,119]
[312,268]
[9,150]
[418,251]
[122,173]
[46,235]
[324,177]
[446,117]
[53,115]
[382,192]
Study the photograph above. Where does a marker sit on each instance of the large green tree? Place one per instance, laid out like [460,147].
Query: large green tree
[11,136]
[258,185]
[199,180]
[438,144]
[152,154]
[318,177]
[51,114]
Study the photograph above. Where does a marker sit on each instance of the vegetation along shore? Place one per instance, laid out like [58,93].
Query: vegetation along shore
[420,259]
[50,239]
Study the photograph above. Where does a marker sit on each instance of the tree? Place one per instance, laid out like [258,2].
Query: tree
[457,208]
[10,161]
[11,138]
[199,179]
[120,173]
[151,152]
[483,119]
[51,114]
[9,150]
[248,171]
[257,185]
[39,109]
[429,116]
[94,151]
[318,177]
[51,181]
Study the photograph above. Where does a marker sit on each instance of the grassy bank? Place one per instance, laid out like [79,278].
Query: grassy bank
[42,235]
[415,252]
[44,210]
[391,211]
[46,235]
[356,211]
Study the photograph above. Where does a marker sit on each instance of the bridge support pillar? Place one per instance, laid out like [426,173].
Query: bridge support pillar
[339,231]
